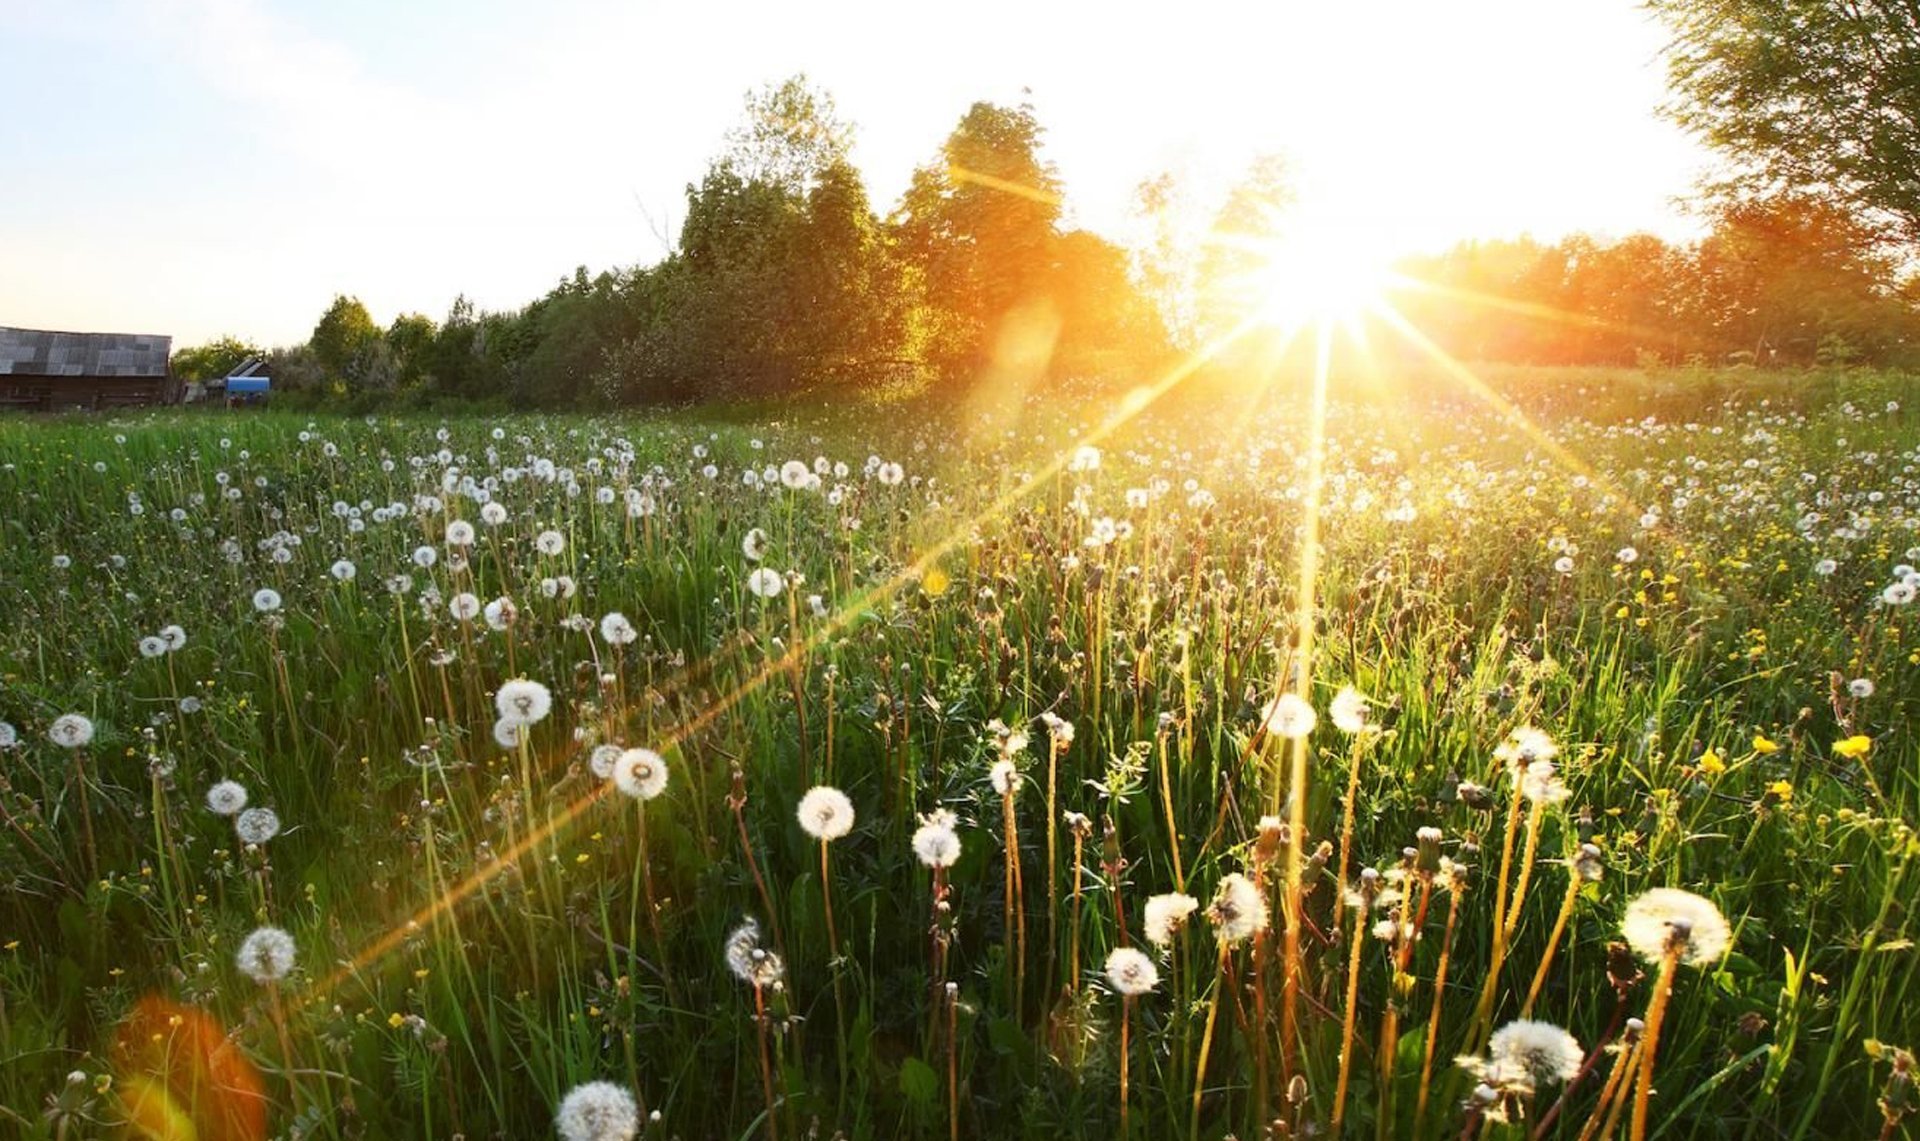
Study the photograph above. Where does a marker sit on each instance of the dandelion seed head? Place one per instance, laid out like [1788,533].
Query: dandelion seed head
[256,825]
[640,773]
[70,731]
[826,813]
[935,842]
[1661,914]
[616,630]
[1348,710]
[1290,716]
[266,600]
[1166,915]
[1238,910]
[523,701]
[765,582]
[227,798]
[597,1111]
[1131,972]
[266,955]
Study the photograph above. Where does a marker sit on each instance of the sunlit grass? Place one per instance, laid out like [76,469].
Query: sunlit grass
[480,928]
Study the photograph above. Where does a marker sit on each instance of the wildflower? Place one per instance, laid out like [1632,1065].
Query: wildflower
[174,636]
[1854,747]
[493,513]
[343,570]
[501,613]
[464,606]
[1588,865]
[795,475]
[765,582]
[227,798]
[601,760]
[550,542]
[1059,730]
[1781,791]
[1628,555]
[817,606]
[257,825]
[152,646]
[508,733]
[754,546]
[826,813]
[1663,914]
[640,773]
[266,600]
[1290,716]
[1130,972]
[425,557]
[1524,1055]
[1542,785]
[749,961]
[1238,910]
[1004,775]
[9,736]
[935,842]
[1763,745]
[70,731]
[523,701]
[1861,687]
[1898,594]
[597,1111]
[266,955]
[1825,567]
[1523,747]
[890,474]
[1348,710]
[616,630]
[459,533]
[1166,915]
[1712,764]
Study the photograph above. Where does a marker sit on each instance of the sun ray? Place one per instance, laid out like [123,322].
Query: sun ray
[454,896]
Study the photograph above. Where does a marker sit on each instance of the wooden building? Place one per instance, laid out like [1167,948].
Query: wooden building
[49,371]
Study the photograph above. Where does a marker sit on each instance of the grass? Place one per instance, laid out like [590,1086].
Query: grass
[482,927]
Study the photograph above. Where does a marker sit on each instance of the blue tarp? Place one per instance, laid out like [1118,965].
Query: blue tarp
[242,385]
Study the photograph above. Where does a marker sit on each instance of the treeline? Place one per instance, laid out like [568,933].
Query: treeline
[1788,280]
[785,280]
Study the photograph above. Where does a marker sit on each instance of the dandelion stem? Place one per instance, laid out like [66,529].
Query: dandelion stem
[1650,1044]
[1206,1045]
[1439,1004]
[1553,941]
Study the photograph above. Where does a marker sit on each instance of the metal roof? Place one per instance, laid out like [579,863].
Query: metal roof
[40,352]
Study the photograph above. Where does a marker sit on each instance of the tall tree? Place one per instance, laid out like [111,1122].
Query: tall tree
[216,358]
[1809,96]
[349,347]
[791,135]
[979,226]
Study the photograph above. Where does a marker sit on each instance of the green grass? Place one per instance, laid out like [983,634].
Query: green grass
[965,594]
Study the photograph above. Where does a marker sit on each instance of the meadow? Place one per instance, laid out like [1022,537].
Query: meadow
[1188,774]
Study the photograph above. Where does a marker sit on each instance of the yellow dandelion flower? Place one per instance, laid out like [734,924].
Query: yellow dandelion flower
[1853,747]
[1711,764]
[396,1020]
[1764,746]
[1782,791]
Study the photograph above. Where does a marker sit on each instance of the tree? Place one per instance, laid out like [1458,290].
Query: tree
[1815,97]
[979,226]
[791,136]
[217,358]
[349,347]
[1246,234]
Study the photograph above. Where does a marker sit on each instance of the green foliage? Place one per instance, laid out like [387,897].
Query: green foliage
[1809,96]
[213,360]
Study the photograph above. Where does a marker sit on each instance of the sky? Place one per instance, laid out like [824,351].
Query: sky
[212,167]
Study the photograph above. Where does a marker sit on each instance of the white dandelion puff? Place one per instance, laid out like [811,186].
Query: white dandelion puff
[640,773]
[1166,915]
[266,955]
[227,798]
[1663,914]
[826,813]
[523,701]
[1131,972]
[70,731]
[597,1111]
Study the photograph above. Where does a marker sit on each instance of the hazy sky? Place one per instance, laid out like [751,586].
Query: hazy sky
[199,167]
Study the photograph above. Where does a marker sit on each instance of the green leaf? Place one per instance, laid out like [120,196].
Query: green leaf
[918,1082]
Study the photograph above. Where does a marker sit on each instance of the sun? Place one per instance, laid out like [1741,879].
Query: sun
[1319,270]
